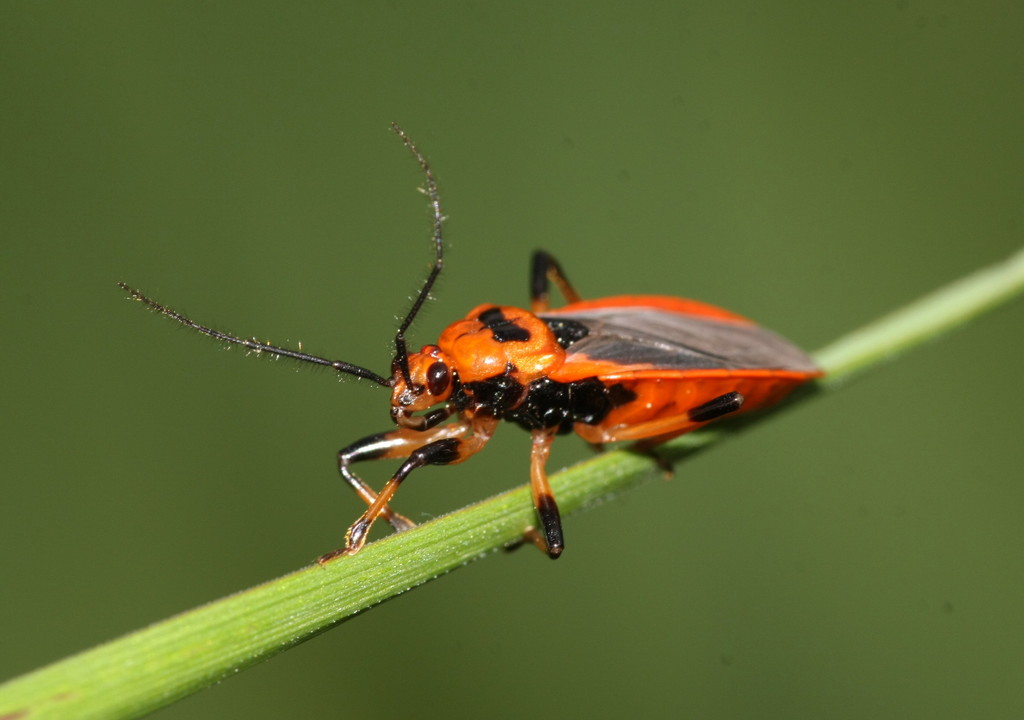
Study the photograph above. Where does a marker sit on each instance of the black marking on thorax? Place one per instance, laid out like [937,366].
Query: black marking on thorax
[544,403]
[549,404]
[566,331]
[494,396]
[504,330]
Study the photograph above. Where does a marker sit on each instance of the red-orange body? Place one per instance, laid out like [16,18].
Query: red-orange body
[634,367]
[663,395]
[641,368]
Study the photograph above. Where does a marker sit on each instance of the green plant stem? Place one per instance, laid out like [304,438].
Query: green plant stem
[922,320]
[157,665]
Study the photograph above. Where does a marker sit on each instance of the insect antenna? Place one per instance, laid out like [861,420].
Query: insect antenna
[401,352]
[255,345]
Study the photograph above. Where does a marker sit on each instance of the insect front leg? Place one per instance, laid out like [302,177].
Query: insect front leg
[544,270]
[398,443]
[440,446]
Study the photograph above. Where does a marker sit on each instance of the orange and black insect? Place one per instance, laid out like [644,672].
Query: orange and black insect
[643,368]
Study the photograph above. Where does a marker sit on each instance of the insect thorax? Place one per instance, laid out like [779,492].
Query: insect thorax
[544,403]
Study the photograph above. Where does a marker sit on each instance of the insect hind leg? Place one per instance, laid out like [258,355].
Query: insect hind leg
[648,435]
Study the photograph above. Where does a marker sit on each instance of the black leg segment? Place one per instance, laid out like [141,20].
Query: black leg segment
[551,521]
[713,409]
[544,270]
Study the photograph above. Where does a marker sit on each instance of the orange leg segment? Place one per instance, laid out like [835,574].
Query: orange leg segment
[659,430]
[398,443]
[439,446]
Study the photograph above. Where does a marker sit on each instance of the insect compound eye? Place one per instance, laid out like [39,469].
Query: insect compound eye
[438,378]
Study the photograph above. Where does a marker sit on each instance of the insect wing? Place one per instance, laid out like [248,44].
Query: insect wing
[630,339]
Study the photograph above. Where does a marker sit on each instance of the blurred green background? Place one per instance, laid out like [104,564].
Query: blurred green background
[810,165]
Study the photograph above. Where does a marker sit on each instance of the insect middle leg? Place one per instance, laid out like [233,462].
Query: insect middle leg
[550,540]
[544,270]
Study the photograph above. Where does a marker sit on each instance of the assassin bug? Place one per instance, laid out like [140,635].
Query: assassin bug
[642,368]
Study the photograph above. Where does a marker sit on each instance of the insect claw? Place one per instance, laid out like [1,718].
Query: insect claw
[401,523]
[327,557]
[664,464]
[514,545]
[355,538]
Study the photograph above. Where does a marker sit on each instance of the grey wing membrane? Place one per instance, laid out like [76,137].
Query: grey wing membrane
[677,341]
